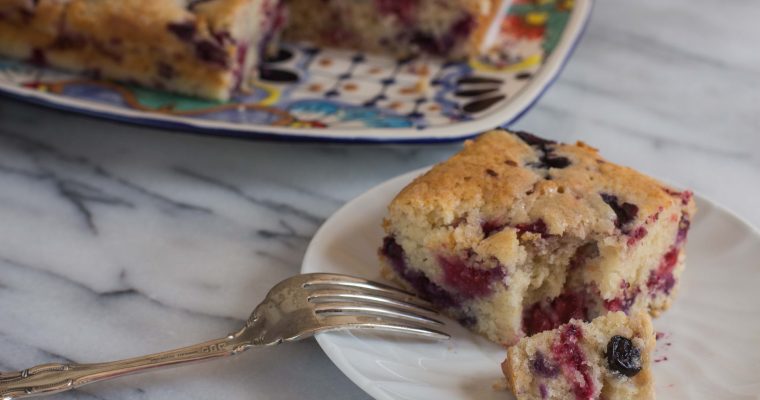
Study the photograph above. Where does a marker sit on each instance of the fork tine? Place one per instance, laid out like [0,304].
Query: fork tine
[351,282]
[353,308]
[407,302]
[338,322]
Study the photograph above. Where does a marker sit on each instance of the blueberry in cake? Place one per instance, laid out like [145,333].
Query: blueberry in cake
[206,48]
[449,28]
[516,235]
[608,358]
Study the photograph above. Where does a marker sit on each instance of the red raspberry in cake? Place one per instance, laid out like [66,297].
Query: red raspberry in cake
[517,234]
[608,358]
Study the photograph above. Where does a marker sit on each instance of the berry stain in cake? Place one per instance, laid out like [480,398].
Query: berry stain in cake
[548,315]
[625,301]
[567,351]
[543,367]
[636,235]
[424,287]
[662,279]
[469,281]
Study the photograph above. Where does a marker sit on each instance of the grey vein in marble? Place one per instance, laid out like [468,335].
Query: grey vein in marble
[117,241]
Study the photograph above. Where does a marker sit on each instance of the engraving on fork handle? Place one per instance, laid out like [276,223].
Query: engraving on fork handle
[55,378]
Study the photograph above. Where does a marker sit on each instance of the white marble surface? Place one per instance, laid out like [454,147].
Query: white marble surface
[117,240]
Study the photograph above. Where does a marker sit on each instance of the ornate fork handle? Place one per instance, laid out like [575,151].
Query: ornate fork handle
[54,378]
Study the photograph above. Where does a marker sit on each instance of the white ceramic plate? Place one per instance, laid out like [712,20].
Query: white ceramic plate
[711,347]
[308,93]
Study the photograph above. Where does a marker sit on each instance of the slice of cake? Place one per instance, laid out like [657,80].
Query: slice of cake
[449,28]
[609,358]
[206,48]
[516,235]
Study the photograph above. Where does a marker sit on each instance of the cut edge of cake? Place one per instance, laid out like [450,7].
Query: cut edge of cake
[516,234]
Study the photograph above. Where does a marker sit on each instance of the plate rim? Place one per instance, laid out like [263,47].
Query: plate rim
[515,108]
[338,359]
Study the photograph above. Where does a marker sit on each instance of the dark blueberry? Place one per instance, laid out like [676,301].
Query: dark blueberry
[556,162]
[510,163]
[541,367]
[625,212]
[623,357]
[183,30]
[532,139]
[393,251]
[211,52]
[491,172]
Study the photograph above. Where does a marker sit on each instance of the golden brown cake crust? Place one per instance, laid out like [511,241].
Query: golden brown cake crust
[493,174]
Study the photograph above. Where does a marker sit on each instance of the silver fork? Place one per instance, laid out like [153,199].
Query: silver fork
[294,309]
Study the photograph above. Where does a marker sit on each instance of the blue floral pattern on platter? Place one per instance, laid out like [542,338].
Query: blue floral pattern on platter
[329,94]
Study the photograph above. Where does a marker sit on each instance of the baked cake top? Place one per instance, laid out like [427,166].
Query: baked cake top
[537,185]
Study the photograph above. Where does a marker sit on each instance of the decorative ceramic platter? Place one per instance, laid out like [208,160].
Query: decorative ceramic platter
[325,94]
[709,346]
